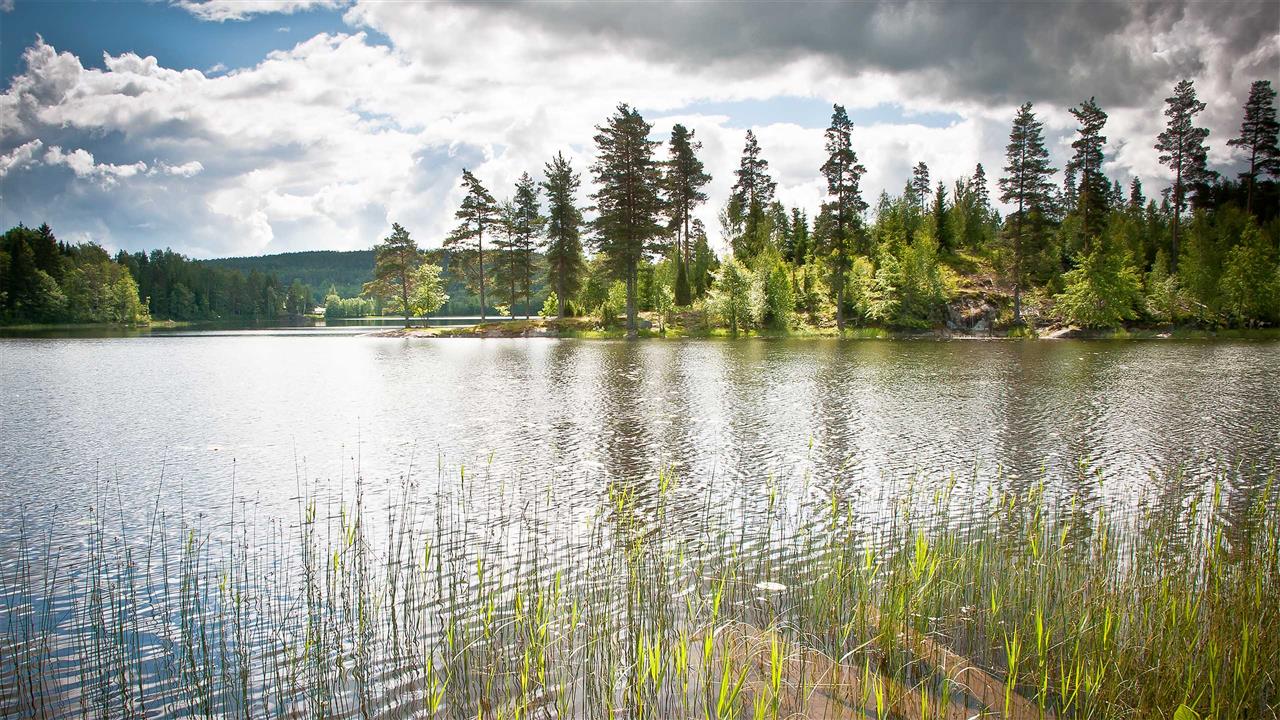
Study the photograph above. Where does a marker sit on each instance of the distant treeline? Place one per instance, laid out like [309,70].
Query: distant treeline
[44,280]
[343,272]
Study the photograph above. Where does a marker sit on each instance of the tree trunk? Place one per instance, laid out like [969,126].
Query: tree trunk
[480,247]
[404,297]
[631,301]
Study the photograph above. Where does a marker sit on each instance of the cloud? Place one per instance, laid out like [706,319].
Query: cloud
[22,156]
[324,144]
[223,10]
[83,165]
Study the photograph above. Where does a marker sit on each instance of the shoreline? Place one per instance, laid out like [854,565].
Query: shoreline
[581,329]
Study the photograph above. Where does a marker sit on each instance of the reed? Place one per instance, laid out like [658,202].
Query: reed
[662,603]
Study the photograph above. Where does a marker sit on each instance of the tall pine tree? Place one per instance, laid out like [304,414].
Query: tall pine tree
[682,184]
[1182,148]
[1258,137]
[1025,185]
[1093,191]
[844,205]
[526,227]
[477,214]
[627,201]
[563,248]
[752,192]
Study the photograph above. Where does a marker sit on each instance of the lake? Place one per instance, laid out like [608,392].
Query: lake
[198,426]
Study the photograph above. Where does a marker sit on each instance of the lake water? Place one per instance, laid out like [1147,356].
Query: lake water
[190,424]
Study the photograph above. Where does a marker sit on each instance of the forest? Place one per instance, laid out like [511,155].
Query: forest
[1081,251]
[1076,249]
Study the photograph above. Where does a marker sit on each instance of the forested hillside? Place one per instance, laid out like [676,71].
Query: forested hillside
[345,271]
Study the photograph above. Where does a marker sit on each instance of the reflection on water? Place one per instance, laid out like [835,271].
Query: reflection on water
[276,411]
[509,448]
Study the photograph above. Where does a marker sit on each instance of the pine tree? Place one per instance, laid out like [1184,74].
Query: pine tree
[1182,149]
[527,224]
[1258,137]
[1093,191]
[563,248]
[941,229]
[753,192]
[798,250]
[505,257]
[844,205]
[979,187]
[1026,185]
[627,202]
[920,187]
[1136,200]
[396,260]
[682,185]
[478,213]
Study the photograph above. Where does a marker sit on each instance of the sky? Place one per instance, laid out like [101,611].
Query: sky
[246,127]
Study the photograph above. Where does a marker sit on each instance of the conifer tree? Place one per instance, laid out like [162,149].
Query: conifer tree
[979,187]
[1025,185]
[682,185]
[527,224]
[844,204]
[1093,191]
[919,184]
[753,191]
[563,247]
[941,230]
[1182,149]
[627,202]
[477,214]
[396,260]
[1136,199]
[1258,137]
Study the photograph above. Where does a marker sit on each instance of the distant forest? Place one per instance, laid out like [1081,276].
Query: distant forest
[1076,248]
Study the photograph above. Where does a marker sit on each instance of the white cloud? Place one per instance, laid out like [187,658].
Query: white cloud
[323,145]
[83,165]
[223,10]
[22,156]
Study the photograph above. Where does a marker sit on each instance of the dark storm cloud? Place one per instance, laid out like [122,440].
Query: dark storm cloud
[988,52]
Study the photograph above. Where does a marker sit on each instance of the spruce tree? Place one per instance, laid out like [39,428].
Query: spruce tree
[477,214]
[1258,137]
[979,187]
[1093,191]
[753,192]
[1136,200]
[563,247]
[1025,185]
[627,201]
[526,228]
[682,185]
[941,230]
[1182,148]
[844,205]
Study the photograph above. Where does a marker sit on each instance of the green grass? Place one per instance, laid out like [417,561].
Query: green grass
[428,604]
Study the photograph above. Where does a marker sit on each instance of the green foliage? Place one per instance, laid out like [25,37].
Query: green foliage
[1102,291]
[627,199]
[732,297]
[395,271]
[1250,282]
[615,304]
[43,280]
[778,298]
[566,264]
[1165,300]
[551,306]
[337,307]
[478,214]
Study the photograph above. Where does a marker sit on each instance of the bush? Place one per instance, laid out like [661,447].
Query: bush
[1101,292]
